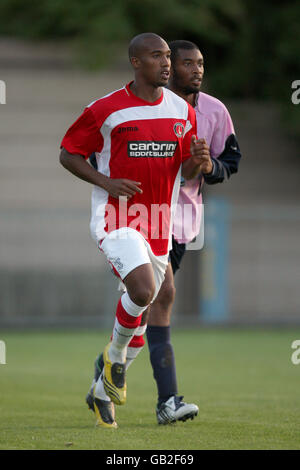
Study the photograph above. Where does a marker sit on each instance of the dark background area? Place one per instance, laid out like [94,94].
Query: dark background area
[251,48]
[58,56]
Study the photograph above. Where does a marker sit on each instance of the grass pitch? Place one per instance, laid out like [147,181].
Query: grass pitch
[243,381]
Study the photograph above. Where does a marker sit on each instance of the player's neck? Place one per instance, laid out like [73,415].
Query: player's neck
[146,92]
[190,98]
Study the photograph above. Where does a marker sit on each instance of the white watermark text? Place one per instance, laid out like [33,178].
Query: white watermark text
[296,354]
[2,92]
[296,94]
[2,352]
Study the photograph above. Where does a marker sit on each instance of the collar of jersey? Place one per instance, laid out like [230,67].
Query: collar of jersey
[148,103]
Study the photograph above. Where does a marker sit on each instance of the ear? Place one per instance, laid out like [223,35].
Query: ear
[135,62]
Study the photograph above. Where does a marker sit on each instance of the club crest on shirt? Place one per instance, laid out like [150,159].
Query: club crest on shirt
[179,129]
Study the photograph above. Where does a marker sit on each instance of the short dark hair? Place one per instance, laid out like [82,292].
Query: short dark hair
[137,43]
[180,44]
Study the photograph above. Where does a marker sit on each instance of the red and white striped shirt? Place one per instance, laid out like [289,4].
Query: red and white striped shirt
[141,141]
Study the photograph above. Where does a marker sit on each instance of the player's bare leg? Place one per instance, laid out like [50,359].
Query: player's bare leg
[170,407]
[140,285]
[159,314]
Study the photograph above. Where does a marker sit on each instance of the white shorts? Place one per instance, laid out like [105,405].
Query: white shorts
[126,249]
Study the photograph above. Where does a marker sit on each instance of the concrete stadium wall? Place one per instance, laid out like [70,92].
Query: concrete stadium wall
[50,270]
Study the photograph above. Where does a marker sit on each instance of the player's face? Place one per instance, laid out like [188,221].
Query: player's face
[155,63]
[188,70]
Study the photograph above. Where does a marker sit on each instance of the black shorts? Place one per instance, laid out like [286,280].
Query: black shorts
[176,254]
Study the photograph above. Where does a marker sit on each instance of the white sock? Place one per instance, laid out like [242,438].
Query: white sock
[122,335]
[99,390]
[132,353]
[120,340]
[130,307]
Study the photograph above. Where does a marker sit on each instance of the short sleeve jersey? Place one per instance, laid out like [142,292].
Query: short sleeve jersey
[141,141]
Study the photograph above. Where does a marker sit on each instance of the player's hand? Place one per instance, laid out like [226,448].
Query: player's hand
[201,155]
[122,187]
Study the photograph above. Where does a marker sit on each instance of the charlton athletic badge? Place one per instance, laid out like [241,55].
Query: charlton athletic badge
[179,129]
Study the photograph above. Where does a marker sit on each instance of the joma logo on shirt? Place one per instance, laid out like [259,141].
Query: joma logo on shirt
[127,129]
[151,149]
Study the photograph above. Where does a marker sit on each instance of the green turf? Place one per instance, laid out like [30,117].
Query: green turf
[244,382]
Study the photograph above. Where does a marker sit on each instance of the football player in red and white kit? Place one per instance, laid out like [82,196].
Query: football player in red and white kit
[222,159]
[143,136]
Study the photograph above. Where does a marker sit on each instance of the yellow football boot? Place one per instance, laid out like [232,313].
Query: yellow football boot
[114,379]
[105,413]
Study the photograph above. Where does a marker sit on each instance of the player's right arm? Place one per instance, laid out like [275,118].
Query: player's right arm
[82,139]
[79,167]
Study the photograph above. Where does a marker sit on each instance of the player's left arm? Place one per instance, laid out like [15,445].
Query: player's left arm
[224,149]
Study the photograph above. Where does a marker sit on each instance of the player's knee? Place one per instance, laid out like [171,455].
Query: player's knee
[143,295]
[167,296]
[170,293]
